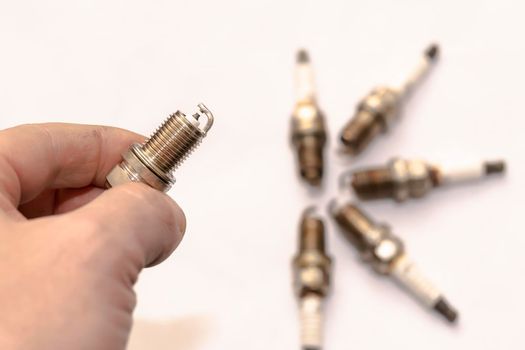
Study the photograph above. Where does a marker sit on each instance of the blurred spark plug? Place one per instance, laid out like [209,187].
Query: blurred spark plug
[403,179]
[308,126]
[311,270]
[377,111]
[385,252]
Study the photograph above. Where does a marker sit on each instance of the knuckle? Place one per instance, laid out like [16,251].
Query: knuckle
[8,134]
[100,134]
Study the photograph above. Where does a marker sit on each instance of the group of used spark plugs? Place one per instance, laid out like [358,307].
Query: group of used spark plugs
[399,179]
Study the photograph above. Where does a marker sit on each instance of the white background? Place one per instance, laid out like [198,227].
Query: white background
[132,63]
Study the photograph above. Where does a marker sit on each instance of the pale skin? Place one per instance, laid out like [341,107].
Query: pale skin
[71,251]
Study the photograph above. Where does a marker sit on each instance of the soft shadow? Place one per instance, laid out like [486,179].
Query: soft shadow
[188,333]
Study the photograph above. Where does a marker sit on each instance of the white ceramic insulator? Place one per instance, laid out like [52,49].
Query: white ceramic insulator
[194,121]
[409,276]
[311,321]
[462,174]
[304,82]
[416,77]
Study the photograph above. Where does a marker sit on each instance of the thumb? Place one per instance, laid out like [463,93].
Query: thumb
[138,220]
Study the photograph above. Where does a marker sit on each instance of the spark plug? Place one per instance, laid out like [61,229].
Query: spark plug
[308,126]
[311,270]
[376,112]
[404,179]
[153,162]
[385,252]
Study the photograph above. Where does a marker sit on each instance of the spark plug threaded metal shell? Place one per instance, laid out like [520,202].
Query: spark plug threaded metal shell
[154,161]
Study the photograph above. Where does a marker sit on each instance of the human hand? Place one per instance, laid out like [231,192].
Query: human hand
[70,251]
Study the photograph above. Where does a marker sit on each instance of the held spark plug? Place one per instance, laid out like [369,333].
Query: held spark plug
[153,162]
[404,179]
[376,112]
[311,270]
[308,126]
[385,252]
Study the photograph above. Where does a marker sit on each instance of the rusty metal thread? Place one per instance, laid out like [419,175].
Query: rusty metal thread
[312,235]
[355,224]
[310,152]
[360,131]
[172,142]
[374,184]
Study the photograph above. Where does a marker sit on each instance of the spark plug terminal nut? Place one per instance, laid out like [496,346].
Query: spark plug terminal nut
[308,126]
[153,162]
[381,108]
[385,252]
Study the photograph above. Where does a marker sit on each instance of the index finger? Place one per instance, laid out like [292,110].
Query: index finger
[36,157]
